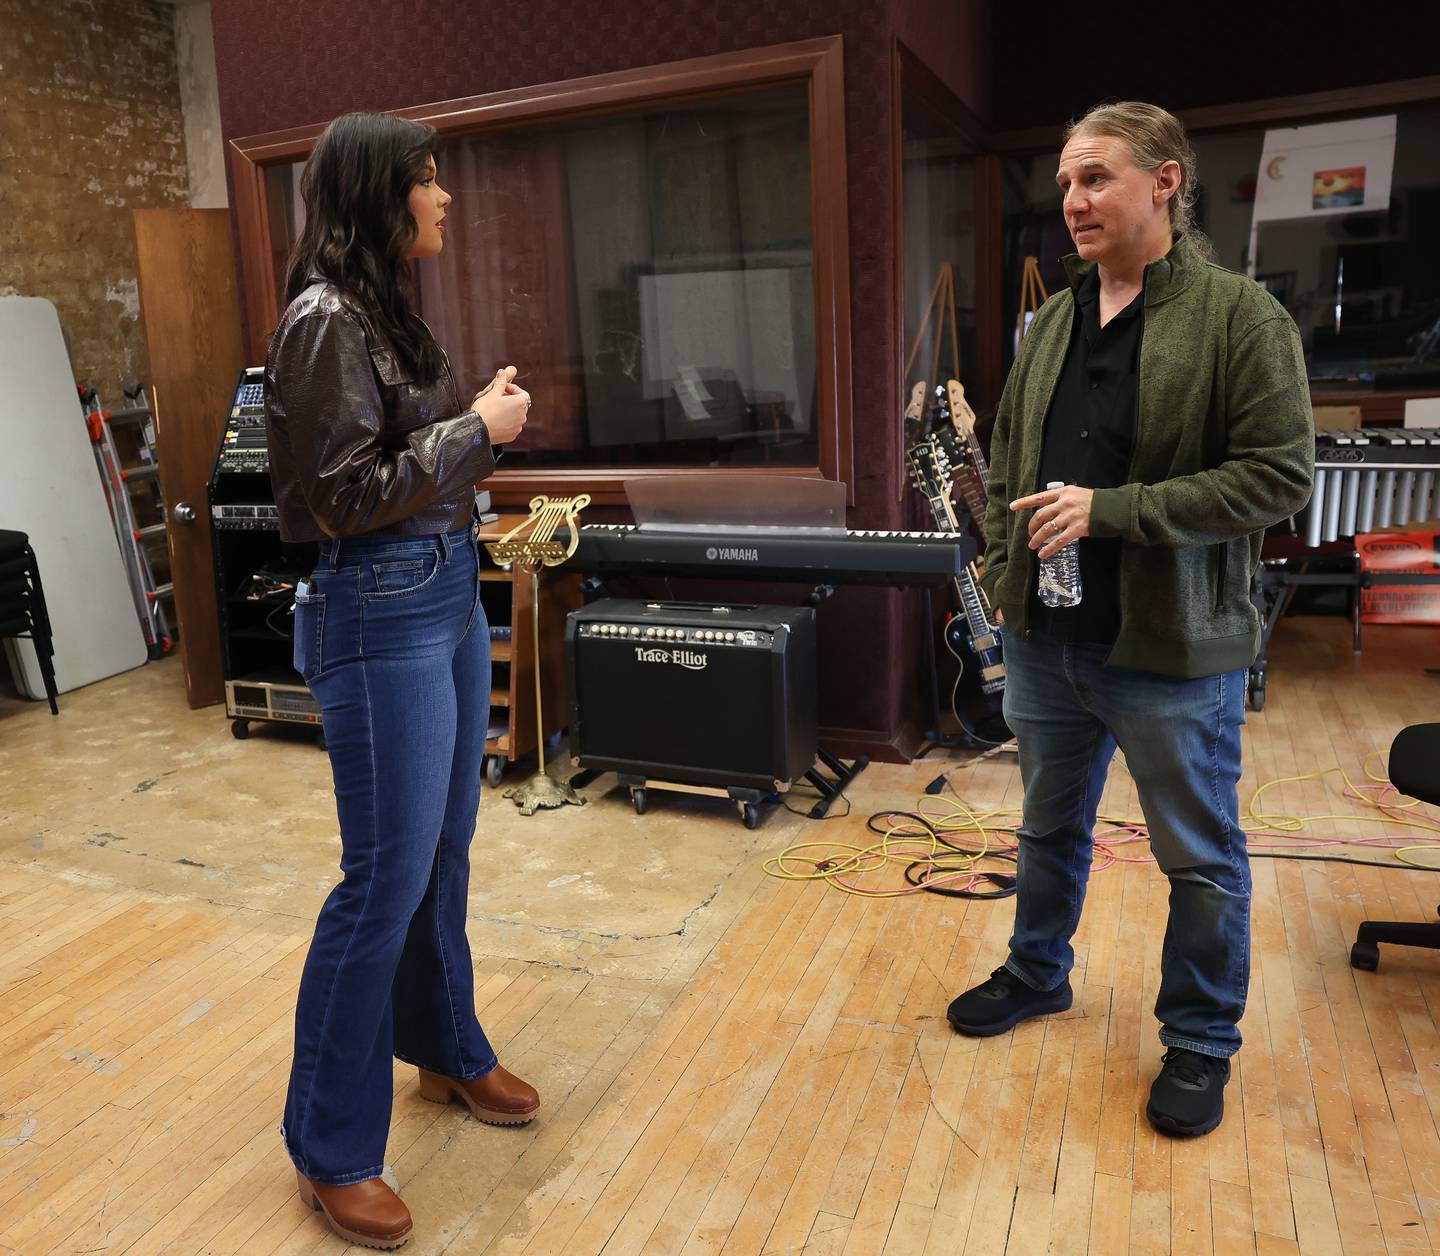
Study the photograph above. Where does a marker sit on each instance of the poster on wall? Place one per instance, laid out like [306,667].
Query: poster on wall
[1324,170]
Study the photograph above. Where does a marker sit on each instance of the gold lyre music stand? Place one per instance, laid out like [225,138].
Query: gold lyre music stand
[528,546]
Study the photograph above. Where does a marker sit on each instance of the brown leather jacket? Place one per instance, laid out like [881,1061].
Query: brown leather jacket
[356,446]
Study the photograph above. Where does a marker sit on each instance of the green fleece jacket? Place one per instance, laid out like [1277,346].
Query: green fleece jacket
[1224,447]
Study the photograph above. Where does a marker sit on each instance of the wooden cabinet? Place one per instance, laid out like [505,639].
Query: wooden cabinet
[505,595]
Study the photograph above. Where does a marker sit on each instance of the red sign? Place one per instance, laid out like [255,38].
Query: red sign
[1410,553]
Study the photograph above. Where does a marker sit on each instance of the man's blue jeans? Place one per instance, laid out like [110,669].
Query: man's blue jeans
[1181,741]
[392,640]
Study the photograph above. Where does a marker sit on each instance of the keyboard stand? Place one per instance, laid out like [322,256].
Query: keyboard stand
[830,789]
[1273,589]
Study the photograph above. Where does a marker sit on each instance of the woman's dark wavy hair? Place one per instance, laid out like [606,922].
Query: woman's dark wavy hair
[358,225]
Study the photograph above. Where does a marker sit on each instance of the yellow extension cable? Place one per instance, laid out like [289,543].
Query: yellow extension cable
[906,842]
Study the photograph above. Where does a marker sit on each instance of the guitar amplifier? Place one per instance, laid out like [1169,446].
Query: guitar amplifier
[694,693]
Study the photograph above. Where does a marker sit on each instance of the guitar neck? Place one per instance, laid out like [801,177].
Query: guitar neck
[972,492]
[977,459]
[963,417]
[967,591]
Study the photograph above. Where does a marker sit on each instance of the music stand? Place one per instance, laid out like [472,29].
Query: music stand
[531,545]
[1033,294]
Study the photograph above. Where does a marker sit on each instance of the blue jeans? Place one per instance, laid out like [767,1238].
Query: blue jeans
[392,640]
[1181,741]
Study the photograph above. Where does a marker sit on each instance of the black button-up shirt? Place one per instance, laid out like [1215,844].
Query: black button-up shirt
[1089,433]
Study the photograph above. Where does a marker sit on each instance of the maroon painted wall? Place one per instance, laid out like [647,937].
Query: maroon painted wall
[953,39]
[282,64]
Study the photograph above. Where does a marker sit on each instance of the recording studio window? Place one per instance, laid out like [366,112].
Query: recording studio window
[1364,287]
[938,198]
[651,273]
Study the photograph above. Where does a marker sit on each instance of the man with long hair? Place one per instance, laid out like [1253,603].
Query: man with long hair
[1171,397]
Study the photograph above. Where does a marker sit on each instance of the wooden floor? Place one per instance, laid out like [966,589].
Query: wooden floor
[803,1093]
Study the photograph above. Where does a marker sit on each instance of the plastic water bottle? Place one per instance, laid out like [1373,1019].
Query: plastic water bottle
[1060,573]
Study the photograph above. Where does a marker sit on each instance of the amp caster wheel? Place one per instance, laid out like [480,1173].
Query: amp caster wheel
[494,769]
[322,743]
[749,814]
[240,729]
[640,799]
[1365,955]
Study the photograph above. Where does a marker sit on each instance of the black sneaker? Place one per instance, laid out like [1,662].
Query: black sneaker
[1003,1002]
[1188,1097]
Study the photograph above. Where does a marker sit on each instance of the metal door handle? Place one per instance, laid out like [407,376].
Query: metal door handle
[185,513]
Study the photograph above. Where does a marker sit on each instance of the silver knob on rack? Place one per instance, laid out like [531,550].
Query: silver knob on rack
[185,513]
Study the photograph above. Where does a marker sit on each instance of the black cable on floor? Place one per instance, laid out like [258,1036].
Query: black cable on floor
[1345,859]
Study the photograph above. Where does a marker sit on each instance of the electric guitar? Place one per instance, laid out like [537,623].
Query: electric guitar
[913,426]
[973,474]
[969,636]
[958,439]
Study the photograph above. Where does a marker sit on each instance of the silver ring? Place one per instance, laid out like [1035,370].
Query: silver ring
[1054,525]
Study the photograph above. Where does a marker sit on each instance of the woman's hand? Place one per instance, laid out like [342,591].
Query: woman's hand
[505,375]
[505,408]
[1061,515]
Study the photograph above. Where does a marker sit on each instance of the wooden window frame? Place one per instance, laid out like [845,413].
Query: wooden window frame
[816,63]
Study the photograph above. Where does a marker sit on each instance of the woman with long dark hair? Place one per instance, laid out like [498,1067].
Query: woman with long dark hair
[373,456]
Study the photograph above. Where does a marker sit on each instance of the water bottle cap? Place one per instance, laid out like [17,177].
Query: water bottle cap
[1056,484]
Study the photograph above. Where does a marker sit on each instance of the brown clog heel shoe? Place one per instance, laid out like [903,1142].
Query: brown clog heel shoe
[368,1213]
[498,1098]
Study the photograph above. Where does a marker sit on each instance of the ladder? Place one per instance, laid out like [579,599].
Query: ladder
[119,480]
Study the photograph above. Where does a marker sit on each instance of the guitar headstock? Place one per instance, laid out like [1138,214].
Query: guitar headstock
[912,427]
[954,444]
[929,468]
[961,415]
[915,409]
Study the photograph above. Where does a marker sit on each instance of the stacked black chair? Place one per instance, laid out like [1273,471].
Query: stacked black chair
[1414,770]
[22,605]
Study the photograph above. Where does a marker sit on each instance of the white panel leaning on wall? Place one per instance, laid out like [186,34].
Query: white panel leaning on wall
[51,490]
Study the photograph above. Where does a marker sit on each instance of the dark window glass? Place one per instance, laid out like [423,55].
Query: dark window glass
[938,169]
[650,274]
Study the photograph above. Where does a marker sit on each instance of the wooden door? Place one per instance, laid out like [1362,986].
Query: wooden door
[191,314]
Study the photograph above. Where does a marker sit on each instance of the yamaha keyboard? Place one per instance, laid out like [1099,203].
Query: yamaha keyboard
[801,555]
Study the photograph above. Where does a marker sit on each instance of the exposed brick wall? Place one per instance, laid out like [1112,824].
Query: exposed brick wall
[90,128]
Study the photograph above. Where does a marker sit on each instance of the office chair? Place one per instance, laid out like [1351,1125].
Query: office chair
[1414,770]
